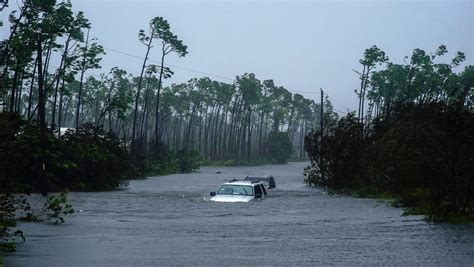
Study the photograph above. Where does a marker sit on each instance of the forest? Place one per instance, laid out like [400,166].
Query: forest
[63,127]
[68,124]
[50,104]
[414,143]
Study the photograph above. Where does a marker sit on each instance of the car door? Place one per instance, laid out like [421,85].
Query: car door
[258,191]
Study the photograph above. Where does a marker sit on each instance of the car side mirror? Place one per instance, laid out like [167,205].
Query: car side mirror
[212,194]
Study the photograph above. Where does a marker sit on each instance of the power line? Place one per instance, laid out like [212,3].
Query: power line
[340,111]
[88,74]
[338,102]
[209,74]
[188,69]
[345,113]
[170,65]
[304,92]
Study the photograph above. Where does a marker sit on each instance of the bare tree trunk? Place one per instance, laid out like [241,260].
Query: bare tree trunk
[79,97]
[30,96]
[14,84]
[20,91]
[138,92]
[157,135]
[58,78]
[41,102]
[249,138]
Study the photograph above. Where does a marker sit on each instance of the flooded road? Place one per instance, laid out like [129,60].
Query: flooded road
[168,220]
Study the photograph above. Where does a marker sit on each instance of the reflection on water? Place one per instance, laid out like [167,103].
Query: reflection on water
[169,221]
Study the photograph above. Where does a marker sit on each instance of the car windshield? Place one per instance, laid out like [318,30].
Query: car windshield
[243,190]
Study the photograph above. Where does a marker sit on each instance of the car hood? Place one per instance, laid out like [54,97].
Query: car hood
[231,198]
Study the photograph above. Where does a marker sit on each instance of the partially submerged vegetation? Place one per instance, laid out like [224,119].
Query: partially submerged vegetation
[16,207]
[123,126]
[414,146]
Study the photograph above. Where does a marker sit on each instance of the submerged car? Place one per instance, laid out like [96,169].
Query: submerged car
[239,191]
[266,180]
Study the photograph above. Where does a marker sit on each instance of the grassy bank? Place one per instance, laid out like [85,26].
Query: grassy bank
[417,205]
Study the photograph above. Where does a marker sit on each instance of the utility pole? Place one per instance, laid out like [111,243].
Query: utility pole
[321,142]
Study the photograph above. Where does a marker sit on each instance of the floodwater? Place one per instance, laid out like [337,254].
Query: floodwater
[168,220]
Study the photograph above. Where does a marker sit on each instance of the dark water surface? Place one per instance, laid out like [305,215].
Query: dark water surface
[168,220]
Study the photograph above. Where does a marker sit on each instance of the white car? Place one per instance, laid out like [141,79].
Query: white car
[239,191]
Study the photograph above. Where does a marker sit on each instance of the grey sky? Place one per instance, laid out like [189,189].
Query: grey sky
[302,45]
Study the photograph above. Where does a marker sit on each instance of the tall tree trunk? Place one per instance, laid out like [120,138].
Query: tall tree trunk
[138,91]
[41,101]
[157,134]
[20,91]
[83,70]
[14,84]
[215,139]
[30,96]
[144,113]
[60,111]
[43,179]
[249,138]
[58,78]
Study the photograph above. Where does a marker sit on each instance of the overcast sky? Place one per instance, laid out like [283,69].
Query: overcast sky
[301,45]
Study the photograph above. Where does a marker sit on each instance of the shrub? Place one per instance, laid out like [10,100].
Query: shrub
[94,160]
[420,154]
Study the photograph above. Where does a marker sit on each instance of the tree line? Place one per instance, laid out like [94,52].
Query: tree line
[410,140]
[221,121]
[121,125]
[44,65]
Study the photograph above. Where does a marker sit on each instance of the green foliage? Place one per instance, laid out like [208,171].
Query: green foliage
[342,148]
[15,208]
[7,247]
[7,216]
[187,161]
[229,163]
[56,208]
[416,142]
[422,156]
[10,206]
[85,159]
[373,56]
[93,160]
[279,147]
[422,80]
[160,29]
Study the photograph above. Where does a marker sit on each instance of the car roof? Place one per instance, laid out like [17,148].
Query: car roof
[250,183]
[259,176]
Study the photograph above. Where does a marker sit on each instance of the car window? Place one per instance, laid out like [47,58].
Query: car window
[235,190]
[258,190]
[225,189]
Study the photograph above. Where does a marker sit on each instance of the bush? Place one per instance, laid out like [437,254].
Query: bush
[86,159]
[340,165]
[94,160]
[421,154]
